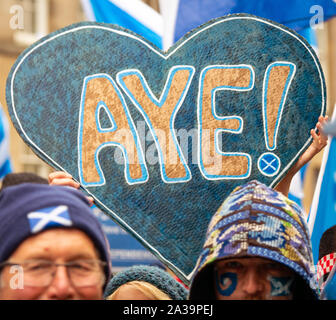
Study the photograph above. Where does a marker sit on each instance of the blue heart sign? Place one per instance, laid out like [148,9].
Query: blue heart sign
[159,139]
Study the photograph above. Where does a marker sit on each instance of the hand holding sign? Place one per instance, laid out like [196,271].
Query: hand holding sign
[320,140]
[159,139]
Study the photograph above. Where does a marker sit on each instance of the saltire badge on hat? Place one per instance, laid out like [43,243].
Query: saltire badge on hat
[49,217]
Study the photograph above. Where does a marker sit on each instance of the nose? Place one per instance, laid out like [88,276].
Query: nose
[61,287]
[252,283]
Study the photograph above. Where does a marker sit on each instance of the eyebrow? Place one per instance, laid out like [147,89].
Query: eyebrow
[82,256]
[46,256]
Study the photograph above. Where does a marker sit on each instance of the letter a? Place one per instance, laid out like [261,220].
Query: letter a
[100,91]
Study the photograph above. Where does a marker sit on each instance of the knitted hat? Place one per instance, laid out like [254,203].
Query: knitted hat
[153,275]
[256,221]
[30,208]
[12,179]
[327,253]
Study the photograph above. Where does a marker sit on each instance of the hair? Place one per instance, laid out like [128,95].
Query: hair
[327,242]
[150,291]
[12,179]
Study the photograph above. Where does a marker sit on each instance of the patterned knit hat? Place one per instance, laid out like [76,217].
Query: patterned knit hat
[256,221]
[153,275]
[30,208]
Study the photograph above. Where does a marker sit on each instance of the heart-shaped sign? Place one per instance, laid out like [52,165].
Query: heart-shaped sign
[159,139]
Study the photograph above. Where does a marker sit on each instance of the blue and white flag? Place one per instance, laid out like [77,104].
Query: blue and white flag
[5,163]
[56,216]
[323,209]
[295,14]
[133,15]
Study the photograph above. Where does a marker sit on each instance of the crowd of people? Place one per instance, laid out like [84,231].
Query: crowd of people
[257,246]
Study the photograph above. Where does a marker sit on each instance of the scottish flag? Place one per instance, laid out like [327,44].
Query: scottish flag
[323,209]
[45,218]
[295,14]
[133,15]
[5,163]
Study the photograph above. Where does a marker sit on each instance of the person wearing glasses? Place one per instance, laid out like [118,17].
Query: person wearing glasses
[52,246]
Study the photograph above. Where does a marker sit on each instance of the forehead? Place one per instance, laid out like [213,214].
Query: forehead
[130,292]
[249,262]
[56,244]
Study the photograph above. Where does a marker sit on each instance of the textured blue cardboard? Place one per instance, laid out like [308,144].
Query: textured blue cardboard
[159,139]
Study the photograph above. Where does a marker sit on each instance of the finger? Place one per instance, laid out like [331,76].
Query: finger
[58,175]
[314,135]
[91,200]
[320,139]
[319,126]
[65,182]
[323,120]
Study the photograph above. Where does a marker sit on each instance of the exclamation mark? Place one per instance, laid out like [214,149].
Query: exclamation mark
[277,80]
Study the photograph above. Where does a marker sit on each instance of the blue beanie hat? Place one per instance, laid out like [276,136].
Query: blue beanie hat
[153,275]
[24,211]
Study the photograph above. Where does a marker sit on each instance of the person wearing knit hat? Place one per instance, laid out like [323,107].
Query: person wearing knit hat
[143,282]
[326,266]
[52,243]
[257,247]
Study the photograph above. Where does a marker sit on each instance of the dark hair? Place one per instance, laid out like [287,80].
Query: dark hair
[327,242]
[12,179]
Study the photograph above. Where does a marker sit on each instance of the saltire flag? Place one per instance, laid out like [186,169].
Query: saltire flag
[295,14]
[133,15]
[5,162]
[323,208]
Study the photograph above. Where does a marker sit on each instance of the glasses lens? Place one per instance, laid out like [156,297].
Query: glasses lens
[85,272]
[81,273]
[38,273]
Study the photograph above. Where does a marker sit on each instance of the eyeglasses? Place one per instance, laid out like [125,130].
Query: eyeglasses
[40,273]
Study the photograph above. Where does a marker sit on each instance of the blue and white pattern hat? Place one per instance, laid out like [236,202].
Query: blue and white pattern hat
[257,221]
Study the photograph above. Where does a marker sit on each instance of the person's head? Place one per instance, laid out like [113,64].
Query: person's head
[144,283]
[138,290]
[15,178]
[326,266]
[257,247]
[52,245]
